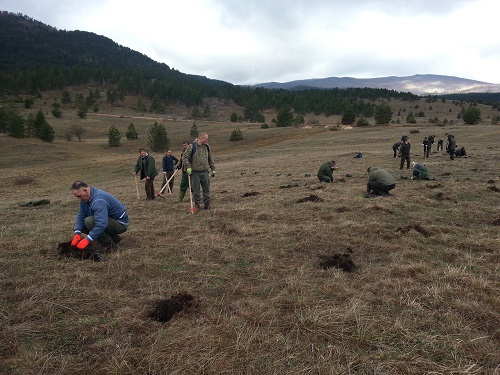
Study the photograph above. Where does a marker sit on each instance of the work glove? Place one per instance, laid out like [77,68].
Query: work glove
[189,170]
[83,244]
[179,166]
[76,238]
[213,173]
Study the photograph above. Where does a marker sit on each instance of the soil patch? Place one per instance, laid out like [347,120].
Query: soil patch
[416,227]
[310,198]
[434,186]
[380,208]
[164,310]
[342,261]
[251,194]
[493,188]
[341,209]
[89,252]
[495,222]
[289,186]
[442,197]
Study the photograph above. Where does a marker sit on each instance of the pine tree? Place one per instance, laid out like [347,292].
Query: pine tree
[46,133]
[131,132]
[56,111]
[114,137]
[236,135]
[158,139]
[194,130]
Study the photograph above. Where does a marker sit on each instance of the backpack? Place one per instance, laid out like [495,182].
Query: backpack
[193,150]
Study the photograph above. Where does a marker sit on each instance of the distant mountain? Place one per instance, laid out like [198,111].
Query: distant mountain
[419,84]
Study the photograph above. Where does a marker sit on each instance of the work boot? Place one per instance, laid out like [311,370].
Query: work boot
[197,206]
[181,196]
[207,206]
[116,238]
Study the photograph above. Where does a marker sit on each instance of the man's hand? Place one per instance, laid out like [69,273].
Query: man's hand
[83,244]
[189,170]
[76,238]
[213,173]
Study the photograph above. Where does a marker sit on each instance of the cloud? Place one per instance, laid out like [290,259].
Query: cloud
[247,42]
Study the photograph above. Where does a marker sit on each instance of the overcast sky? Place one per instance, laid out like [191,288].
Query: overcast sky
[256,41]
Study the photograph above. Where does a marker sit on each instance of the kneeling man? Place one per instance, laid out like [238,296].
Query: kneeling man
[379,182]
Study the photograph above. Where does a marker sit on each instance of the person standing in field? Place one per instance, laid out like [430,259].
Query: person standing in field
[198,161]
[325,172]
[404,151]
[184,179]
[440,145]
[451,146]
[168,166]
[147,168]
[101,217]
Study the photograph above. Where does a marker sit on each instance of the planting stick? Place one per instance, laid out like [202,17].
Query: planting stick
[190,194]
[136,187]
[166,184]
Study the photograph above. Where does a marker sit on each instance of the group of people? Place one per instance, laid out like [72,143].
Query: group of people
[102,217]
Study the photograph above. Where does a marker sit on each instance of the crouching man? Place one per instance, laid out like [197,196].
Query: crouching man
[325,172]
[380,182]
[101,216]
[420,172]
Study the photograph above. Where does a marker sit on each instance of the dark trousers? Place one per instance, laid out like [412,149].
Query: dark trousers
[403,158]
[377,188]
[113,228]
[184,182]
[201,179]
[452,153]
[395,152]
[170,183]
[150,188]
[426,151]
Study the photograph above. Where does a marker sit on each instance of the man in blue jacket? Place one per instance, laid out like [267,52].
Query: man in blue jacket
[101,216]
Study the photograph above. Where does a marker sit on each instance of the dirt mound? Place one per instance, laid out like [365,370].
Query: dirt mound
[434,186]
[342,261]
[376,207]
[289,186]
[310,198]
[341,209]
[416,227]
[495,222]
[442,197]
[251,194]
[165,309]
[89,252]
[493,188]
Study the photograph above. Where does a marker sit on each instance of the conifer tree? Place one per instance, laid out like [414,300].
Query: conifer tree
[158,139]
[131,132]
[114,137]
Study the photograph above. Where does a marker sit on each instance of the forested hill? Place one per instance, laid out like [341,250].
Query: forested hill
[35,57]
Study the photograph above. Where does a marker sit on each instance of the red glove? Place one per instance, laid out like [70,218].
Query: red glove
[77,238]
[83,244]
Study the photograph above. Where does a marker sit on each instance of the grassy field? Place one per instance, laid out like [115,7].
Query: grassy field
[423,299]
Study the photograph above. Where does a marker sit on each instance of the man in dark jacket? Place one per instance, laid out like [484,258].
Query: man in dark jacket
[101,216]
[325,172]
[169,162]
[147,168]
[380,182]
[405,154]
[451,146]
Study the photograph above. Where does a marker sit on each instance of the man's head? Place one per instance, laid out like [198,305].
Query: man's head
[185,144]
[81,190]
[332,163]
[143,152]
[203,138]
[169,153]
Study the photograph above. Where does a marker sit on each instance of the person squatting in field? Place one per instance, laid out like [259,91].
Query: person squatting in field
[395,148]
[100,216]
[380,182]
[197,159]
[420,172]
[325,172]
[147,168]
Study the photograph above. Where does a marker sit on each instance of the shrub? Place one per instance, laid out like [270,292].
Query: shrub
[131,132]
[264,126]
[236,135]
[414,131]
[362,122]
[114,137]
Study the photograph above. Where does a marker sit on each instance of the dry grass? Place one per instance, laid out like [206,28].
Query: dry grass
[423,299]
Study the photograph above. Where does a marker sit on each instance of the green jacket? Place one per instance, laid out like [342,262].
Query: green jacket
[202,158]
[146,166]
[325,170]
[381,176]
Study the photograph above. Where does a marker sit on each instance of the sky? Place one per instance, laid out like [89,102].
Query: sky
[255,41]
